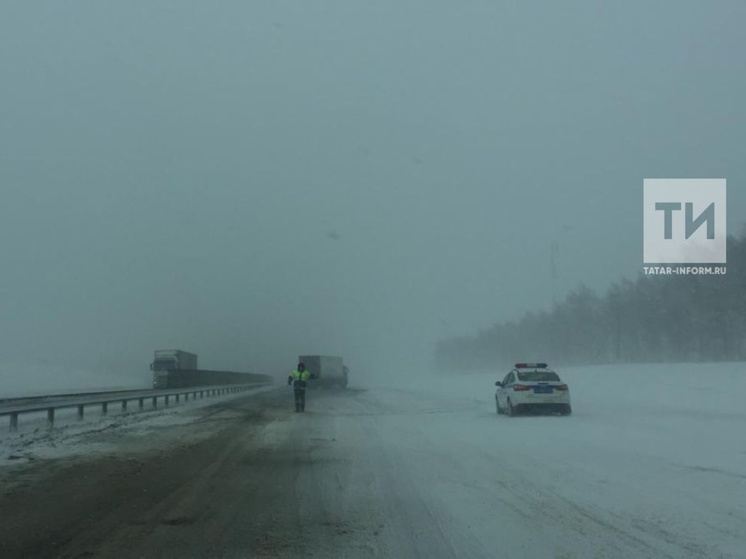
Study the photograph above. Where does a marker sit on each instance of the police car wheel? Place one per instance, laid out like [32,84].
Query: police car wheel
[512,412]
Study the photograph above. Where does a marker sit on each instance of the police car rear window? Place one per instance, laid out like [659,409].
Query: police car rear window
[538,376]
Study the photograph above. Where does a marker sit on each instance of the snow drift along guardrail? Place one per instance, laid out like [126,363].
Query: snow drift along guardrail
[152,396]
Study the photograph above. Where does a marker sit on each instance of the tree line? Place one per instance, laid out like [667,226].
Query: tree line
[655,318]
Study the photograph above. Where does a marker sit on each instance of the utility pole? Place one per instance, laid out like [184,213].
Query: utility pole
[554,260]
[553,254]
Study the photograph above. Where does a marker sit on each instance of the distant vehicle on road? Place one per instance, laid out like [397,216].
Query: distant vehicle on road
[532,387]
[173,368]
[326,371]
[168,361]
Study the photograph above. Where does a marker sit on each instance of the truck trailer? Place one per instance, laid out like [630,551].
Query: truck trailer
[327,371]
[173,368]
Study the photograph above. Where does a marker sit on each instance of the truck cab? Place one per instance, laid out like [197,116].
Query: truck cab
[167,362]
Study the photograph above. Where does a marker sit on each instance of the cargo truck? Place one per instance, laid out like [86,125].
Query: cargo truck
[173,368]
[168,361]
[327,371]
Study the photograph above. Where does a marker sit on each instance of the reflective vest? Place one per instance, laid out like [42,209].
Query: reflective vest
[297,375]
[299,379]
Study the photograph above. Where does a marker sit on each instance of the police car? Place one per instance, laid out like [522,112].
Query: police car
[532,387]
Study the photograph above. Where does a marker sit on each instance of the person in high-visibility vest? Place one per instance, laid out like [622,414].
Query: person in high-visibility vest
[298,378]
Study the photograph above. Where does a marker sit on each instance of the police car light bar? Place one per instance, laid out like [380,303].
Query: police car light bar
[530,365]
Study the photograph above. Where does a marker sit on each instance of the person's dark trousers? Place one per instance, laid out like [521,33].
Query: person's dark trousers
[300,399]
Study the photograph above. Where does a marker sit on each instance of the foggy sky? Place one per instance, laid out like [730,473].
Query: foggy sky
[255,180]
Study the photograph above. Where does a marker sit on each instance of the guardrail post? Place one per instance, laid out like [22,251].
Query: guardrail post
[167,397]
[124,405]
[14,421]
[177,398]
[155,402]
[81,412]
[186,396]
[105,408]
[140,403]
[50,417]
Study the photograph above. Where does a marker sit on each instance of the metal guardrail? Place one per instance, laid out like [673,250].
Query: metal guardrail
[195,392]
[20,400]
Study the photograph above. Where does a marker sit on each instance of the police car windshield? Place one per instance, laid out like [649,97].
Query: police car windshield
[534,376]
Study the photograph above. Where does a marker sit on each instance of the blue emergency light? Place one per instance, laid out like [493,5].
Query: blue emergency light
[530,365]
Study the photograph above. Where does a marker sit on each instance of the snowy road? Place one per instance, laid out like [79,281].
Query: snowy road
[396,472]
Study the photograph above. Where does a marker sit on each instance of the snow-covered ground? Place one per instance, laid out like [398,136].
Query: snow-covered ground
[29,379]
[652,463]
[656,453]
[693,414]
[70,438]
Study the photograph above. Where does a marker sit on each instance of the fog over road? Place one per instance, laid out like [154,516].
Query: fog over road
[382,472]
